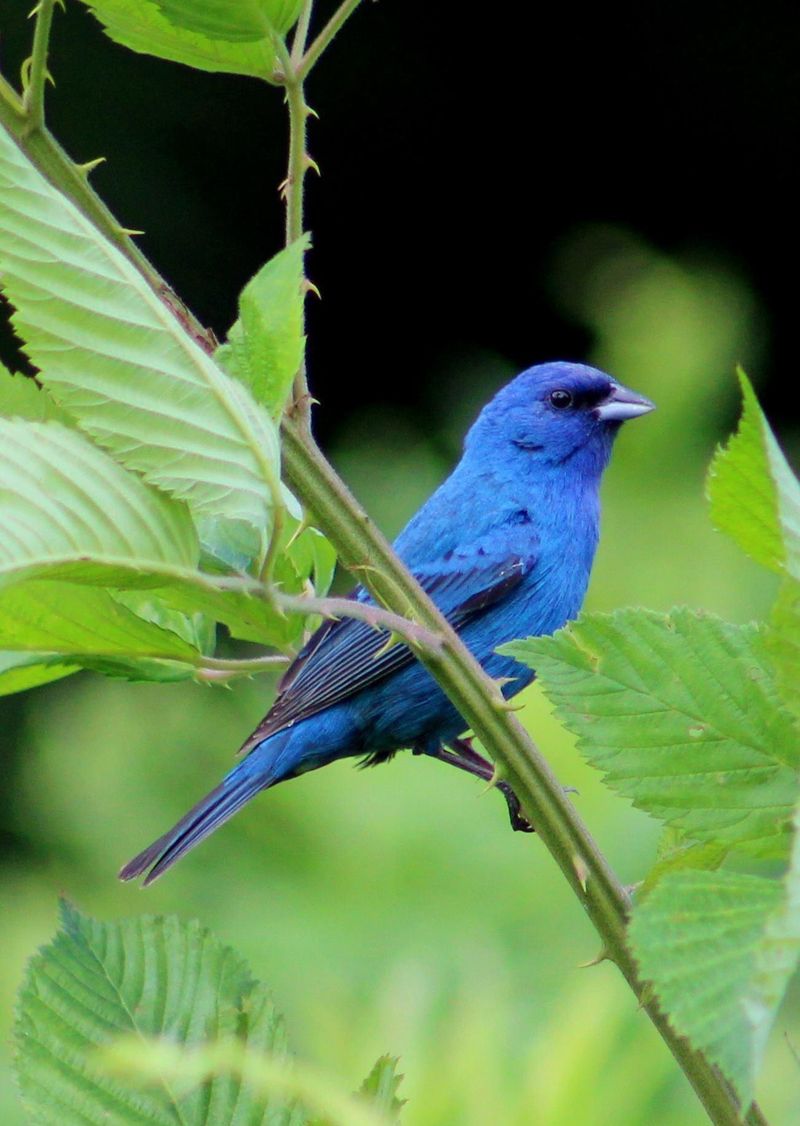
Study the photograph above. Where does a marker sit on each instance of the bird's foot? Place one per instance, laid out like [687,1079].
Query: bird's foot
[519,822]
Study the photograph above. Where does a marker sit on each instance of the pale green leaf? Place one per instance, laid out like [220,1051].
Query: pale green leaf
[697,938]
[21,671]
[232,20]
[680,713]
[754,494]
[67,510]
[152,977]
[143,27]
[22,397]
[114,354]
[81,625]
[265,345]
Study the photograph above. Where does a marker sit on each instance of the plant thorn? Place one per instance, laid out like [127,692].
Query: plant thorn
[89,166]
[581,871]
[603,955]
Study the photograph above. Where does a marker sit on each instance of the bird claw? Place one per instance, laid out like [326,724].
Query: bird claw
[519,822]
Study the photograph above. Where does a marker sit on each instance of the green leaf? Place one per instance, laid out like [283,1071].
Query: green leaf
[148,977]
[22,397]
[142,26]
[114,354]
[265,345]
[381,1086]
[80,623]
[783,643]
[681,714]
[21,671]
[697,938]
[754,494]
[720,949]
[232,20]
[67,510]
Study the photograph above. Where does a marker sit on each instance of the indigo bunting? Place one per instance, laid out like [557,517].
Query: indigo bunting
[504,547]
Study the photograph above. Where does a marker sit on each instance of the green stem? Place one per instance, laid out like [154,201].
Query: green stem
[33,98]
[323,40]
[477,698]
[301,34]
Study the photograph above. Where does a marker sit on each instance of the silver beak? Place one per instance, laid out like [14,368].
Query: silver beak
[622,404]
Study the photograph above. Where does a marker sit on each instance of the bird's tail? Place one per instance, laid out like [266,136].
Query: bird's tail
[236,789]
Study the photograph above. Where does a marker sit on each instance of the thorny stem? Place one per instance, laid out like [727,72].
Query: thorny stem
[367,553]
[37,75]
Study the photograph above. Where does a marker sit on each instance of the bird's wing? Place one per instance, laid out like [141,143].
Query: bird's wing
[345,656]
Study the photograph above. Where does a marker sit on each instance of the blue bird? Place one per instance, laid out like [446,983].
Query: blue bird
[504,547]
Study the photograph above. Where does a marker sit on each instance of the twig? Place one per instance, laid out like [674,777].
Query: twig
[323,40]
[37,75]
[419,638]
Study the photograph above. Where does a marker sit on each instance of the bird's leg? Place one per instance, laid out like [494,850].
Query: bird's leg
[460,754]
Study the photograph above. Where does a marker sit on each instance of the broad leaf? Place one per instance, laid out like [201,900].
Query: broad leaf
[265,345]
[80,623]
[697,938]
[21,671]
[149,977]
[754,495]
[232,20]
[114,354]
[67,510]
[681,714]
[720,948]
[22,397]
[142,26]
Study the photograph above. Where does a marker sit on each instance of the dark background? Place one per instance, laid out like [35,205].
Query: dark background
[458,146]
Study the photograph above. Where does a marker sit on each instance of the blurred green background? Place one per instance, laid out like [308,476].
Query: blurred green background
[392,909]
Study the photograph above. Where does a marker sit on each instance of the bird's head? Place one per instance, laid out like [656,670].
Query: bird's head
[554,414]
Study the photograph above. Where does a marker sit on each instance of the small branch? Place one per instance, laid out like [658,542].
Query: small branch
[419,638]
[301,34]
[220,670]
[323,40]
[33,97]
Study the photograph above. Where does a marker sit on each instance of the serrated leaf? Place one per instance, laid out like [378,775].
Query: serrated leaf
[141,26]
[264,348]
[22,397]
[149,976]
[21,671]
[114,354]
[697,937]
[232,20]
[754,494]
[681,714]
[381,1086]
[67,510]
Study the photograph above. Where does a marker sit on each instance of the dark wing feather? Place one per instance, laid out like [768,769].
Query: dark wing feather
[343,657]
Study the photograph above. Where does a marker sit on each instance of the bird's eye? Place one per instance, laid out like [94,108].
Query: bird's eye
[560,399]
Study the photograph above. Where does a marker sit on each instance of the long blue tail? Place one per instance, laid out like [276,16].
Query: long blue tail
[236,789]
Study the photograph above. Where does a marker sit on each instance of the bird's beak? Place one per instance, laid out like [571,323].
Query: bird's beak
[622,404]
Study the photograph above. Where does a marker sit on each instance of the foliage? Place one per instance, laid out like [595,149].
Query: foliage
[691,718]
[105,1005]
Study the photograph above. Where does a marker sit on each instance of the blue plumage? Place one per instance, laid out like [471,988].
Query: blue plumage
[504,547]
